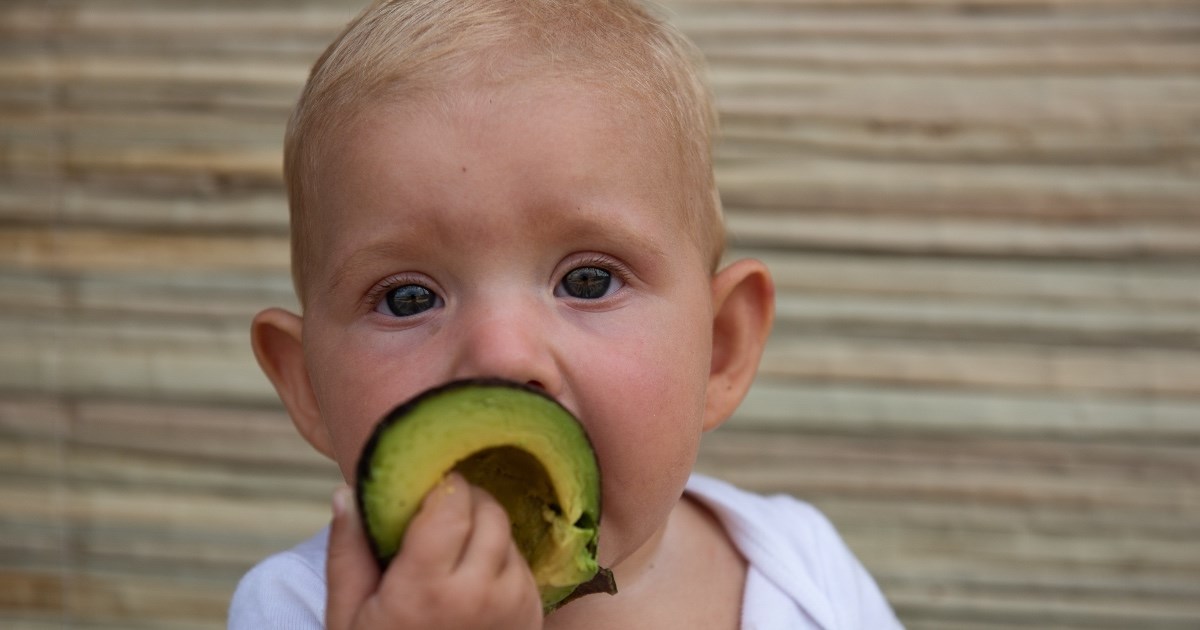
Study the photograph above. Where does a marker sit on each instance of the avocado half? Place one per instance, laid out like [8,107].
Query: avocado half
[517,443]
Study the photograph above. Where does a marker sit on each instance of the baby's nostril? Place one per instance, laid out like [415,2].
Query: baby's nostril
[536,385]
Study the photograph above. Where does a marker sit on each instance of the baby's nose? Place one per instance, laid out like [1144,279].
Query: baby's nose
[513,345]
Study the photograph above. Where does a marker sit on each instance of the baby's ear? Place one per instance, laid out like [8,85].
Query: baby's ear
[743,312]
[276,338]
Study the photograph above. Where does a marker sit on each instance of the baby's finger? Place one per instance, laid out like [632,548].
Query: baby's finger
[491,535]
[350,568]
[516,584]
[437,536]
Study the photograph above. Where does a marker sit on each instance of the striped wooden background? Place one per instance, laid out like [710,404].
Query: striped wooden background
[983,215]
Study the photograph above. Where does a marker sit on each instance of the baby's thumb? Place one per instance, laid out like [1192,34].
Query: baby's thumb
[351,573]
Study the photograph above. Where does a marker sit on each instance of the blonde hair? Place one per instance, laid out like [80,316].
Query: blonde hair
[406,49]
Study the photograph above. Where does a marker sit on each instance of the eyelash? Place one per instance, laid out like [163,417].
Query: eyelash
[616,268]
[379,291]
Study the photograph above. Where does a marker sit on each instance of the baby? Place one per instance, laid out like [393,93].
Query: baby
[523,189]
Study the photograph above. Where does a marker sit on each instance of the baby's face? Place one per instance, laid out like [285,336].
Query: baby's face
[530,234]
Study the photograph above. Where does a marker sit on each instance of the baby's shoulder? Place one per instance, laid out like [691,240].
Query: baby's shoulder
[285,590]
[769,525]
[797,560]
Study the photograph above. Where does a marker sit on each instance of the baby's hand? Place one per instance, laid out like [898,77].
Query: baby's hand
[457,568]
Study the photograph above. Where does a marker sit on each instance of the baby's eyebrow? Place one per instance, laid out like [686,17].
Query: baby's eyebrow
[616,234]
[379,250]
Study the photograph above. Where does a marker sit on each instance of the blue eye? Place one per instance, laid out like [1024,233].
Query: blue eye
[409,300]
[586,283]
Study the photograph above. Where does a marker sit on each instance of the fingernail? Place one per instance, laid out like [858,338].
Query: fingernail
[453,480]
[341,500]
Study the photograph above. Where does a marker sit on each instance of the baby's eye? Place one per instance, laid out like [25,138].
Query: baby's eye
[408,300]
[586,283]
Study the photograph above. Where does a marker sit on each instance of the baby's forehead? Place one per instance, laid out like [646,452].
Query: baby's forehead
[588,124]
[460,112]
[559,154]
[470,109]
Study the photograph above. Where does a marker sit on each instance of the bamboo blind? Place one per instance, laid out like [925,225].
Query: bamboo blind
[983,217]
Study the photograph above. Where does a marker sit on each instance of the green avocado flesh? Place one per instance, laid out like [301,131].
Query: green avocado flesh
[522,447]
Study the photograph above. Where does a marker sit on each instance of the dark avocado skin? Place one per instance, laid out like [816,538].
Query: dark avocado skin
[601,582]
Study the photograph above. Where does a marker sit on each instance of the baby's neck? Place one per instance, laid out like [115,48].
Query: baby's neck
[687,575]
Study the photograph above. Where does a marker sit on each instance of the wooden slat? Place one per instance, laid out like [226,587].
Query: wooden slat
[1085,284]
[41,248]
[860,409]
[959,237]
[726,23]
[921,8]
[1047,192]
[152,531]
[985,366]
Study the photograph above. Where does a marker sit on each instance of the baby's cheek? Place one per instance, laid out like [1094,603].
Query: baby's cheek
[645,461]
[350,405]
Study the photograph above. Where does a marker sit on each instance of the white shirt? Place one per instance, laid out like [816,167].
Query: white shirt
[800,575]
